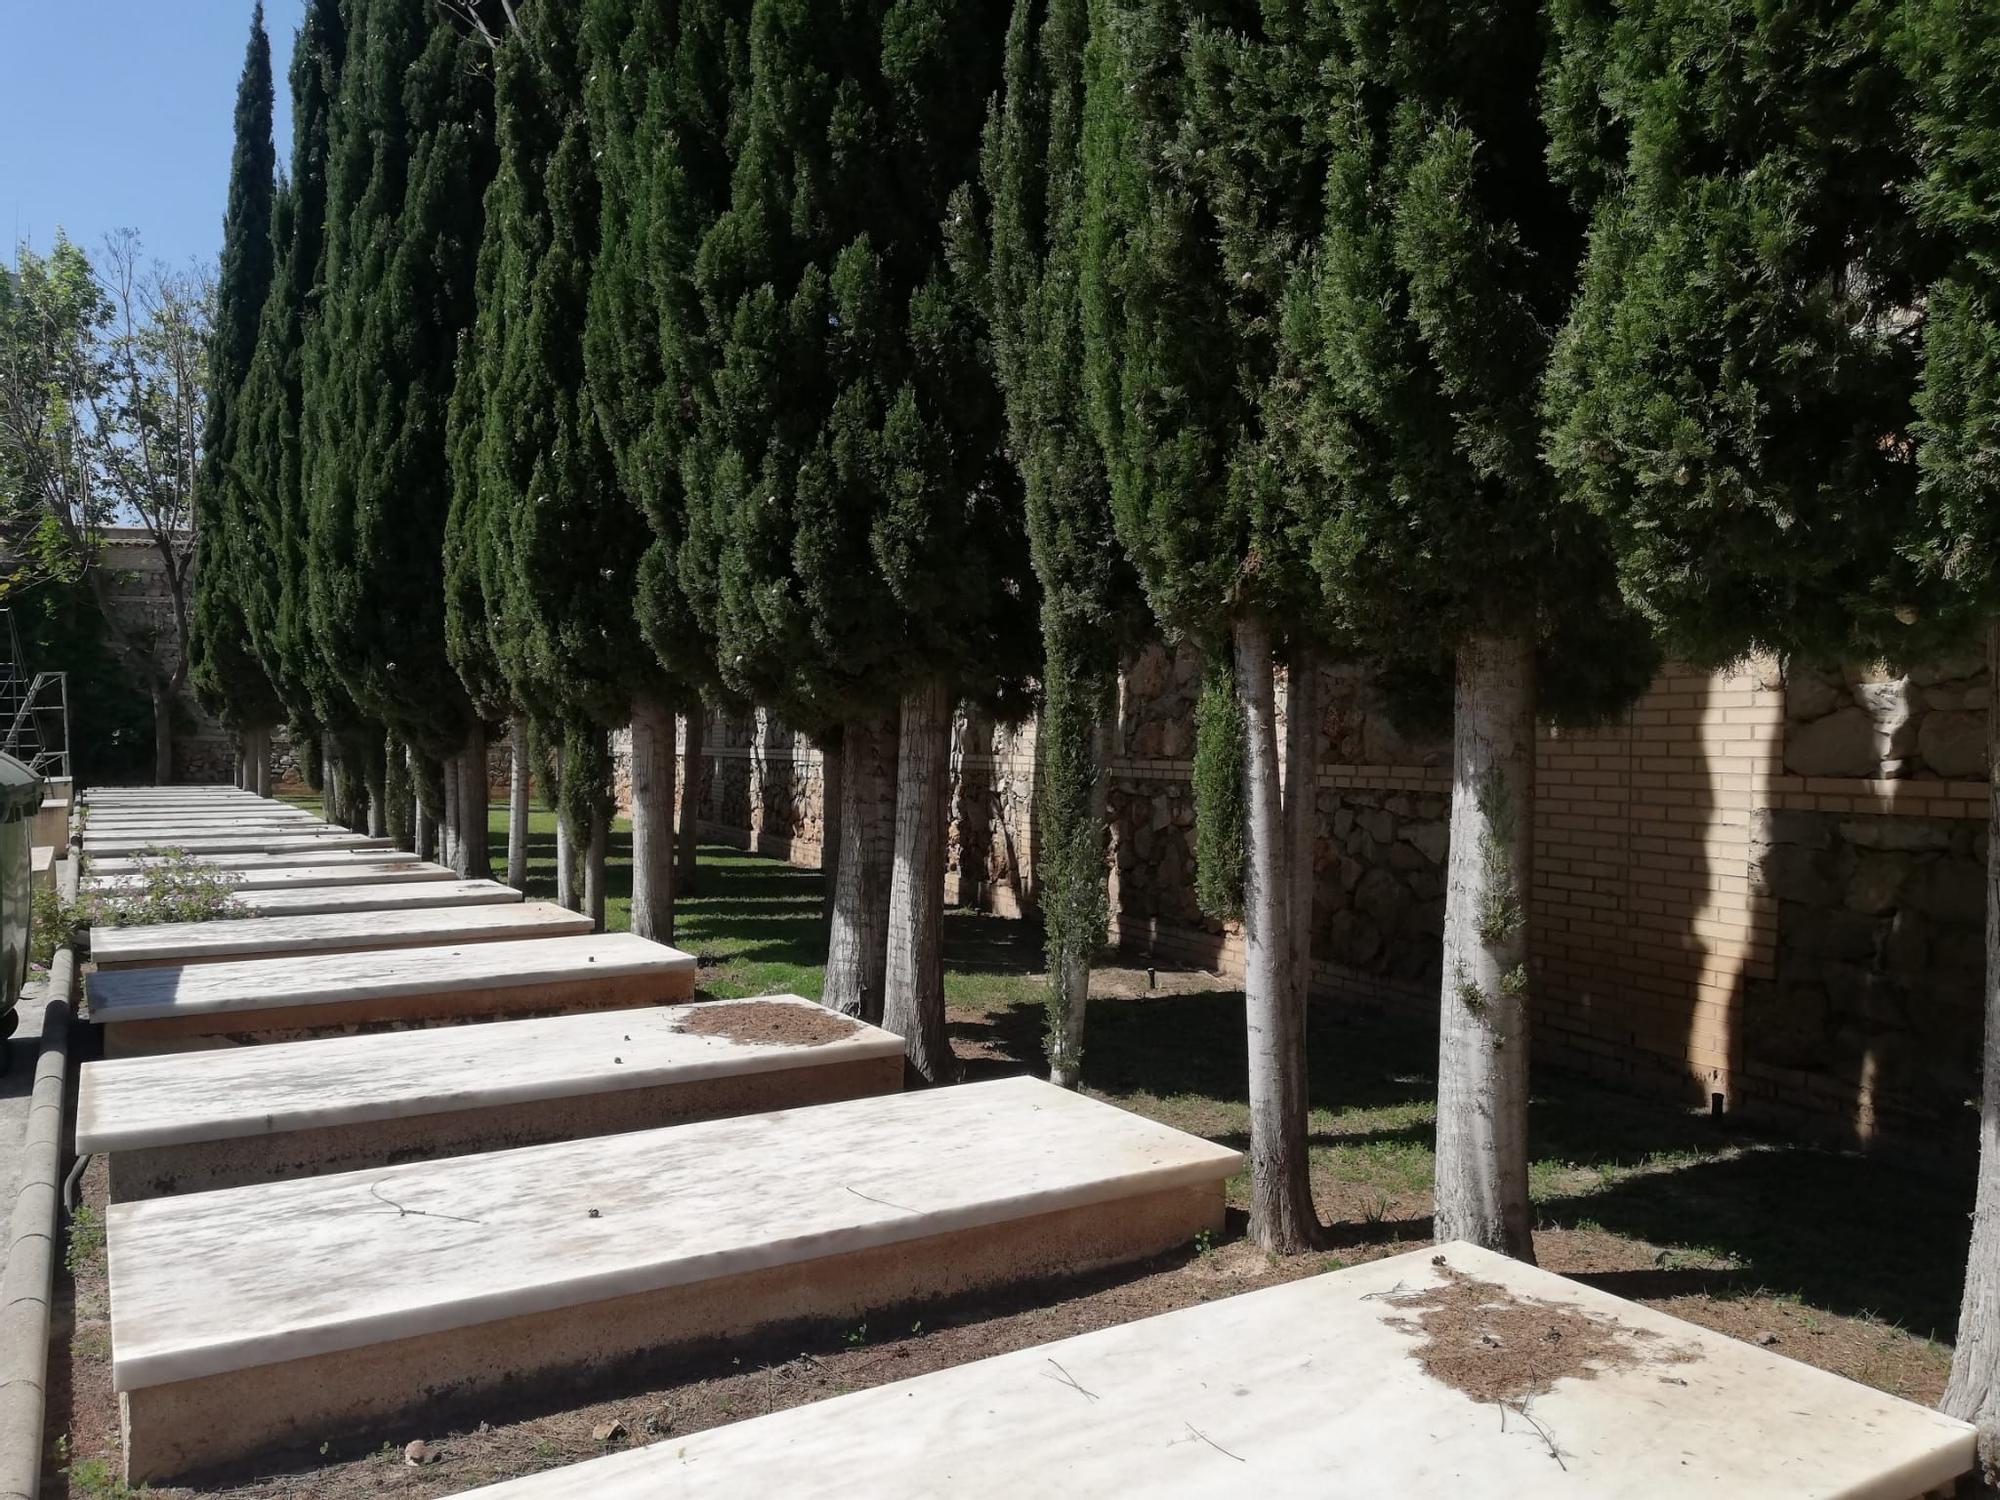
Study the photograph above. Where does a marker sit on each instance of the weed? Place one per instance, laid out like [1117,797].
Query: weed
[544,1447]
[1204,1242]
[856,1337]
[95,1479]
[86,1238]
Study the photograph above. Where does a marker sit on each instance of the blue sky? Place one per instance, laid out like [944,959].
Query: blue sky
[117,114]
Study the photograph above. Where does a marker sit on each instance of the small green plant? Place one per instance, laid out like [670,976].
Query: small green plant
[86,1238]
[54,923]
[856,1337]
[167,885]
[1204,1242]
[1378,1210]
[95,1479]
[917,1329]
[545,1447]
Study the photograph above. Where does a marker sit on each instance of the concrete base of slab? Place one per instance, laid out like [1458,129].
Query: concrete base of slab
[323,1018]
[196,1167]
[177,1428]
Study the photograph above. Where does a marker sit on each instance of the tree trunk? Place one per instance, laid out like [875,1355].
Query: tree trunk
[913,995]
[262,769]
[377,772]
[1302,714]
[1069,856]
[1281,1209]
[1482,1106]
[425,837]
[242,760]
[1973,1393]
[163,733]
[399,795]
[473,844]
[517,805]
[652,820]
[595,861]
[857,951]
[688,840]
[567,894]
[832,801]
[329,780]
[449,821]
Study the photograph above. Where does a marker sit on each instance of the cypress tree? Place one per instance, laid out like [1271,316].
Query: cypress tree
[412,156]
[659,80]
[1033,175]
[561,541]
[871,566]
[1202,191]
[1448,261]
[1951,53]
[229,679]
[269,460]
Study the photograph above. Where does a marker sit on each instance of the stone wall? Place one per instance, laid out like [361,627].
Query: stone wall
[141,603]
[1759,890]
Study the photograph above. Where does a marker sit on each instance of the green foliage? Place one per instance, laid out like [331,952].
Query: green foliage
[62,631]
[1221,844]
[1091,604]
[847,488]
[227,675]
[274,593]
[172,886]
[411,153]
[558,542]
[86,1239]
[1732,391]
[1951,50]
[1202,204]
[1448,258]
[660,85]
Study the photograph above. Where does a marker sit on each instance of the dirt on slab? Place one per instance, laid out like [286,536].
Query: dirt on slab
[1491,1343]
[782,1025]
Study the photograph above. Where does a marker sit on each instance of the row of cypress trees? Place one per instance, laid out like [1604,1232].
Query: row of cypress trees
[611,356]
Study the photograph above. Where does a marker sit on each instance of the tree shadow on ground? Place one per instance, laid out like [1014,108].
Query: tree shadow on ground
[1844,1232]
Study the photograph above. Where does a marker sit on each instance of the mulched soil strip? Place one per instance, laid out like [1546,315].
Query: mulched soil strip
[1484,1340]
[779,1025]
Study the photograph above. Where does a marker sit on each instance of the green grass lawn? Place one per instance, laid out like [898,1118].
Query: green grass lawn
[1667,1205]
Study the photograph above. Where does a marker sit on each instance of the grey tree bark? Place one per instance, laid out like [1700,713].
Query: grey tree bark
[518,790]
[378,797]
[425,828]
[242,760]
[857,950]
[449,822]
[329,782]
[261,770]
[652,820]
[1302,724]
[1482,1106]
[594,862]
[163,732]
[1973,1392]
[913,996]
[1281,1210]
[687,837]
[470,844]
[568,881]
[831,807]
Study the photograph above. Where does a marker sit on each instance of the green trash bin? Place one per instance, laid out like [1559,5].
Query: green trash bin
[20,800]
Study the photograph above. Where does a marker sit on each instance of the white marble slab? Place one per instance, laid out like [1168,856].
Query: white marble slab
[387,869]
[127,1104]
[327,932]
[429,1246]
[246,843]
[251,985]
[1305,1390]
[106,827]
[376,895]
[250,859]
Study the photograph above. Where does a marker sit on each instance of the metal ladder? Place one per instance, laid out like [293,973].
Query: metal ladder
[34,708]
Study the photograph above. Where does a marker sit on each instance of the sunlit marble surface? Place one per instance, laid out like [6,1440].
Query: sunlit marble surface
[268,983]
[323,931]
[382,869]
[389,894]
[221,843]
[299,869]
[1305,1390]
[247,1276]
[125,1104]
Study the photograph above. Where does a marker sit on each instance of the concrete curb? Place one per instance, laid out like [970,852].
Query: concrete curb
[29,1282]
